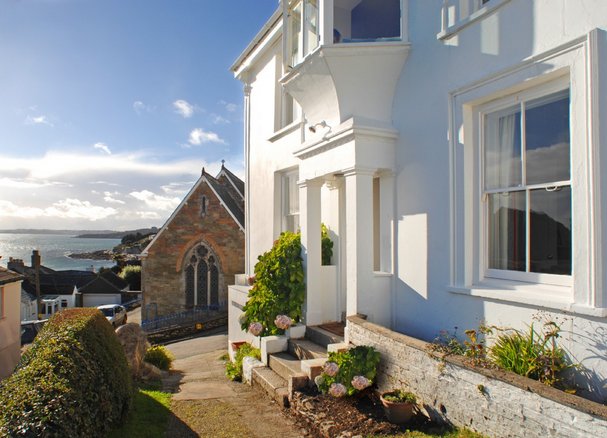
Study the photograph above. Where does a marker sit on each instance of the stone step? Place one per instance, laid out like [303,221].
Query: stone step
[322,337]
[289,368]
[306,349]
[312,367]
[272,383]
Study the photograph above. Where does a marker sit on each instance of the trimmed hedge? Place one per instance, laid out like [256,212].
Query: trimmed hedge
[73,381]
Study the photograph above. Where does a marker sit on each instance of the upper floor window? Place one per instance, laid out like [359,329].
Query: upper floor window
[527,185]
[366,20]
[303,29]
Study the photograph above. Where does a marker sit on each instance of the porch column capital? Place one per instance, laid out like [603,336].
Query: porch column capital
[359,170]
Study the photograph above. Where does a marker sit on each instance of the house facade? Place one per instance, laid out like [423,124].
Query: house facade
[455,151]
[198,251]
[10,327]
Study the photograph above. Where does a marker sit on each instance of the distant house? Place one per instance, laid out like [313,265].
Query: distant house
[69,288]
[28,305]
[199,249]
[10,333]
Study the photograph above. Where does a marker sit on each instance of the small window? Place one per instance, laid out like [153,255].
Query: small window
[290,201]
[63,304]
[203,206]
[527,186]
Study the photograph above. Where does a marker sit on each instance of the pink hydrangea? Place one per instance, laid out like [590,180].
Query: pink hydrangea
[251,280]
[337,390]
[283,322]
[360,382]
[331,369]
[255,328]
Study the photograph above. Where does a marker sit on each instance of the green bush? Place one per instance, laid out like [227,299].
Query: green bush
[532,354]
[357,361]
[234,369]
[132,275]
[73,381]
[159,356]
[279,287]
[326,245]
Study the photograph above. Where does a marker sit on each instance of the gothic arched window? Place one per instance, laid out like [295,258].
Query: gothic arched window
[202,278]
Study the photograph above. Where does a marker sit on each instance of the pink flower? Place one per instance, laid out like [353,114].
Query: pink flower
[251,280]
[255,328]
[331,369]
[337,390]
[360,382]
[283,322]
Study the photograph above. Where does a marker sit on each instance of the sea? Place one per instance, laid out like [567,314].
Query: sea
[54,249]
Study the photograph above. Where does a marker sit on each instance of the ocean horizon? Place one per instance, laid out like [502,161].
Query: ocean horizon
[54,250]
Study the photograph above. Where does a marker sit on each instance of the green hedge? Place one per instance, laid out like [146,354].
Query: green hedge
[73,381]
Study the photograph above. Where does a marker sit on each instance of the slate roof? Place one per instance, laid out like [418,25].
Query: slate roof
[111,277]
[226,197]
[238,183]
[7,276]
[99,286]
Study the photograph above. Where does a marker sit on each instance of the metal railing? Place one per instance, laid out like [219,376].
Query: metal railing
[454,11]
[197,315]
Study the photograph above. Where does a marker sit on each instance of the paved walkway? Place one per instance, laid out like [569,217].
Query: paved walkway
[206,403]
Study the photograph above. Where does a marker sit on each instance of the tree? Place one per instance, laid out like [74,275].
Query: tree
[132,275]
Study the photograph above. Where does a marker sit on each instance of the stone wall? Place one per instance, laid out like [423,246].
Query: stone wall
[491,402]
[163,281]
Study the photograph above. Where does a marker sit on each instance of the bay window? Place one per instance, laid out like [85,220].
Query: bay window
[302,29]
[366,20]
[527,186]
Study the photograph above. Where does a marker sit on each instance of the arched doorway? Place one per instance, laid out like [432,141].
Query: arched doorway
[202,278]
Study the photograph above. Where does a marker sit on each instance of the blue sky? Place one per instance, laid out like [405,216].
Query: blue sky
[110,108]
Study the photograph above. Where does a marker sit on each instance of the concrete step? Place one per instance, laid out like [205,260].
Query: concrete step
[272,383]
[322,337]
[289,368]
[312,367]
[306,349]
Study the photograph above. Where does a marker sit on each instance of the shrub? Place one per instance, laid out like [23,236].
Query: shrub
[326,245]
[279,285]
[74,380]
[234,369]
[532,354]
[344,367]
[159,356]
[400,396]
[132,275]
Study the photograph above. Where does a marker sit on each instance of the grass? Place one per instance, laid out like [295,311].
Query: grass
[207,418]
[453,433]
[149,415]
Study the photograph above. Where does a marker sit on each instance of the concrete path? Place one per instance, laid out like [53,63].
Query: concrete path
[199,376]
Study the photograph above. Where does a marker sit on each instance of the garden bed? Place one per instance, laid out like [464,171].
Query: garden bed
[324,416]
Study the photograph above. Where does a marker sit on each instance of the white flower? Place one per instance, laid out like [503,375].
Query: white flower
[337,390]
[255,328]
[283,322]
[360,382]
[331,369]
[242,319]
[319,380]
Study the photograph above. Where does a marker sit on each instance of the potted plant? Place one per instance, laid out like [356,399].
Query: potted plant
[398,405]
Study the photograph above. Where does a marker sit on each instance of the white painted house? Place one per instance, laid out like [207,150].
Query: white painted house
[455,149]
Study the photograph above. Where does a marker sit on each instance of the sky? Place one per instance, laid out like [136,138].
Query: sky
[109,109]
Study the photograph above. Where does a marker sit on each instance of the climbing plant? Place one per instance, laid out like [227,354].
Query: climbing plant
[279,285]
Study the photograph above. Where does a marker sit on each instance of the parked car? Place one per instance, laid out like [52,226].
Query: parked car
[29,330]
[115,314]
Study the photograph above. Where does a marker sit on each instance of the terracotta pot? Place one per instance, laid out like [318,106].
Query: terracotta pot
[397,412]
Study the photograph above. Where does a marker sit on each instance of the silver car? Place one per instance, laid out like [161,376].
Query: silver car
[115,314]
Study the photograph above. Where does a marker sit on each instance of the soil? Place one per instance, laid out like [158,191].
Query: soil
[324,416]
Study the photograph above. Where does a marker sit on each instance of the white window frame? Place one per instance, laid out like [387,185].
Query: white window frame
[293,175]
[487,109]
[577,62]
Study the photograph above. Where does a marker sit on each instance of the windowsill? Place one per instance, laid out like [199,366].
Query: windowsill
[382,274]
[537,295]
[470,19]
[293,126]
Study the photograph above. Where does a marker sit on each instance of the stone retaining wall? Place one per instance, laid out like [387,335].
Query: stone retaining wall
[491,402]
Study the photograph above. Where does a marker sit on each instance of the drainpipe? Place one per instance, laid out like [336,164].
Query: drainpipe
[247,155]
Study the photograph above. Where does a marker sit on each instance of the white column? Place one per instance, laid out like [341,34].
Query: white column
[386,221]
[309,221]
[359,241]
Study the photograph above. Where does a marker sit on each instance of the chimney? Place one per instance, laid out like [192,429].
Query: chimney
[35,259]
[36,266]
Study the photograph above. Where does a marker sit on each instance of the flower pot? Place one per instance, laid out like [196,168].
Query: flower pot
[397,412]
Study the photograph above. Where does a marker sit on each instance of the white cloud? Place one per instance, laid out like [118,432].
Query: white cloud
[230,107]
[147,214]
[109,198]
[64,209]
[103,147]
[140,107]
[29,183]
[218,120]
[155,201]
[199,136]
[177,188]
[184,108]
[38,120]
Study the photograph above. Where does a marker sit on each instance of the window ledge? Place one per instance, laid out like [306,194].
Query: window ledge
[297,124]
[470,19]
[540,295]
[382,274]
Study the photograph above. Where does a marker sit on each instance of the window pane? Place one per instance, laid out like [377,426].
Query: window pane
[547,139]
[550,230]
[367,20]
[503,164]
[507,231]
[295,32]
[311,25]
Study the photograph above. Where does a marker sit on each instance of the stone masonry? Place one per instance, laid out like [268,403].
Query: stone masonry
[163,279]
[494,403]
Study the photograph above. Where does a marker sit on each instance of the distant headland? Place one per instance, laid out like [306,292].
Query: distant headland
[83,234]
